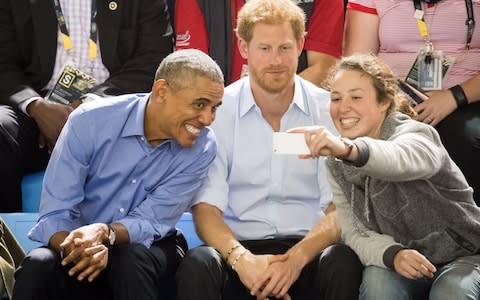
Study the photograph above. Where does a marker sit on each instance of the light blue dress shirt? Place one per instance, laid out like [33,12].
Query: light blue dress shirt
[103,170]
[265,195]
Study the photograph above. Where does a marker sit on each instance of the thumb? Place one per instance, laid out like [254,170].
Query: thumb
[41,141]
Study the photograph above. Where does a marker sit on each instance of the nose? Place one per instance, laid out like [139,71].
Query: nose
[276,57]
[344,104]
[206,117]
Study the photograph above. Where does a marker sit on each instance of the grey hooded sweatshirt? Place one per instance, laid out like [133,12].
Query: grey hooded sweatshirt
[404,191]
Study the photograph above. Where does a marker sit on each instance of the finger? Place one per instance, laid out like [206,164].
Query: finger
[427,264]
[94,275]
[419,107]
[72,256]
[421,260]
[434,122]
[50,146]
[81,265]
[304,156]
[297,130]
[94,249]
[268,289]
[279,287]
[411,272]
[277,258]
[258,285]
[41,141]
[86,273]
[97,263]
[425,271]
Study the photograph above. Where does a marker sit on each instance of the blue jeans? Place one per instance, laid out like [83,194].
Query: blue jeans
[457,280]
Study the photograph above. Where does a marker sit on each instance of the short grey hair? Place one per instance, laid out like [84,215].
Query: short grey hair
[181,67]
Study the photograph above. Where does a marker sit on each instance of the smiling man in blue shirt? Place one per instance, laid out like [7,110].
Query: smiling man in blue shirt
[121,175]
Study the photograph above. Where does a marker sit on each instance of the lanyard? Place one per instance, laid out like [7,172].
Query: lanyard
[67,41]
[422,27]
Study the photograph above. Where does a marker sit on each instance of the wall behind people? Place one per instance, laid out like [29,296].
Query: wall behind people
[208,25]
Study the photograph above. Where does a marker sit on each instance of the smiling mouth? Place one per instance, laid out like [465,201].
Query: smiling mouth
[349,122]
[192,129]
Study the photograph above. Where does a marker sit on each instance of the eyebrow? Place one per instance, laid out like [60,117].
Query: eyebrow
[206,100]
[348,91]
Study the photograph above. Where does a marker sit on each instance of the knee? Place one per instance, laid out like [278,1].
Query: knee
[472,132]
[201,261]
[198,260]
[380,283]
[8,123]
[461,282]
[37,268]
[124,258]
[342,259]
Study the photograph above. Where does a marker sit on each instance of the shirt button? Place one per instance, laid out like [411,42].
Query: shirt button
[142,138]
[122,210]
[134,181]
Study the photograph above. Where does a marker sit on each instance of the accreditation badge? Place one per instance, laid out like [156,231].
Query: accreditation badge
[71,85]
[428,70]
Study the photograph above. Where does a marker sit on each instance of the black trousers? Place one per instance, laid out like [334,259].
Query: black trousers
[335,274]
[19,154]
[134,272]
[460,133]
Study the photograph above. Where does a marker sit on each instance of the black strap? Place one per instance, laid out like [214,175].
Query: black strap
[470,22]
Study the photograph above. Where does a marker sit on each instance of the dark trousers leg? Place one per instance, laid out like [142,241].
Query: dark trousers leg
[460,133]
[41,276]
[19,154]
[133,272]
[203,274]
[339,274]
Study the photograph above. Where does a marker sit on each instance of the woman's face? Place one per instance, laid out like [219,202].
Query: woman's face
[354,108]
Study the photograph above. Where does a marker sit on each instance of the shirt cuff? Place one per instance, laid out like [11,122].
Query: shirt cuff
[389,255]
[363,153]
[24,104]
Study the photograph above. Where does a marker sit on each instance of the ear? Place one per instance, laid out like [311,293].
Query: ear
[384,106]
[300,44]
[159,90]
[243,48]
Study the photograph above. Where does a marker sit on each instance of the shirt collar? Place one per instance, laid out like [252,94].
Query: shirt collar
[248,102]
[134,126]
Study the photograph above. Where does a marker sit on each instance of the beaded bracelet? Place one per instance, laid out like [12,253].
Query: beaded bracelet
[238,258]
[459,95]
[230,251]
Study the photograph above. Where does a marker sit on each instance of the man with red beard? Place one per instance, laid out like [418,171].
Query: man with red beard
[267,220]
[121,175]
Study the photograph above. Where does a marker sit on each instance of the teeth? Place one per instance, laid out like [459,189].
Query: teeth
[192,129]
[348,121]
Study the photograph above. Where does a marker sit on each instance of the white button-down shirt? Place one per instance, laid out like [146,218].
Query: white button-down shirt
[265,195]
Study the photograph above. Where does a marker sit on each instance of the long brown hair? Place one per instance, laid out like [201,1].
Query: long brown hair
[383,79]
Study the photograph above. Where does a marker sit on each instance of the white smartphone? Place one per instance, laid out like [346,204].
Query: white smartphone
[289,143]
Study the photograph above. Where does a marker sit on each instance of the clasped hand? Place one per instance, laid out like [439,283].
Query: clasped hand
[268,275]
[85,249]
